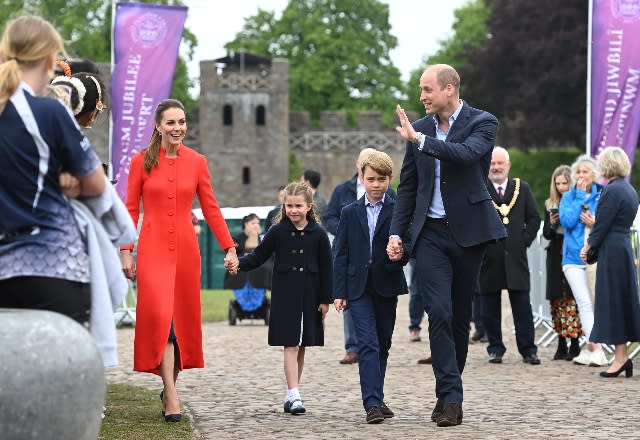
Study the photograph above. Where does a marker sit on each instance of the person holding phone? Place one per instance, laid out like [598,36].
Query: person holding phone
[564,311]
[577,208]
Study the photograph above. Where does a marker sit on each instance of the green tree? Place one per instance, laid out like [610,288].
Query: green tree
[470,31]
[532,71]
[85,25]
[338,52]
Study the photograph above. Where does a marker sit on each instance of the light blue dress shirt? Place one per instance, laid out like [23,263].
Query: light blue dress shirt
[373,211]
[436,208]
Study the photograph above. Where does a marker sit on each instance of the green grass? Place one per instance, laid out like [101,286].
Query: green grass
[215,304]
[134,413]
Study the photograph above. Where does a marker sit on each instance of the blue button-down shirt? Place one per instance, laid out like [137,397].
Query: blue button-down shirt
[373,211]
[436,208]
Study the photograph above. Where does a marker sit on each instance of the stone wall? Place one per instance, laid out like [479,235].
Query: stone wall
[263,150]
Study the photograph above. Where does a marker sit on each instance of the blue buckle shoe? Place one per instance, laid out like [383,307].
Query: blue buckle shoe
[297,407]
[287,406]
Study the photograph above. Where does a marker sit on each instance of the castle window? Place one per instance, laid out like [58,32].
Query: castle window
[260,115]
[227,115]
[246,175]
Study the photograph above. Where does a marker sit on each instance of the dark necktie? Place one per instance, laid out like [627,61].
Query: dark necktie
[500,193]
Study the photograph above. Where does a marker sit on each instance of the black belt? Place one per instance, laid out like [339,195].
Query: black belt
[438,220]
[31,230]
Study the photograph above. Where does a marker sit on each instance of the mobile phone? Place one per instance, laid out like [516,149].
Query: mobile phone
[553,210]
[585,208]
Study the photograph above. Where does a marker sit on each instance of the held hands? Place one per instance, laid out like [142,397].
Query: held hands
[231,262]
[406,129]
[340,304]
[395,249]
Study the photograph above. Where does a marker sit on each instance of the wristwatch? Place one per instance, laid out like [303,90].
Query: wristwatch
[418,138]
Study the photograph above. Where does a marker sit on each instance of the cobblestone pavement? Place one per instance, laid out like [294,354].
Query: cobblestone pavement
[239,395]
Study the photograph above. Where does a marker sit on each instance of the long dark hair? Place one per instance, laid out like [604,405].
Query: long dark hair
[153,148]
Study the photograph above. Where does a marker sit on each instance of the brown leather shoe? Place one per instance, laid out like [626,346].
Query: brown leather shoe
[350,358]
[437,410]
[414,336]
[425,361]
[451,415]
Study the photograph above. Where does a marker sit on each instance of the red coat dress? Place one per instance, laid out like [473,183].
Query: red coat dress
[168,257]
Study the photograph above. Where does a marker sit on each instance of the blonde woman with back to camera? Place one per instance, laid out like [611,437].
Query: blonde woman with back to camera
[617,318]
[43,260]
[577,213]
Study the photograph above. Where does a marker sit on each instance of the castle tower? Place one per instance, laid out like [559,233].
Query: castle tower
[244,127]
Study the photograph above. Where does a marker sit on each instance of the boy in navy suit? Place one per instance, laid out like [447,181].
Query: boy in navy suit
[368,282]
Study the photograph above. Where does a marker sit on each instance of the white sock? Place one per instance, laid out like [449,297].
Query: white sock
[293,394]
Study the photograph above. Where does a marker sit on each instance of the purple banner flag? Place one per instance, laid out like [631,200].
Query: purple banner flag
[146,39]
[615,75]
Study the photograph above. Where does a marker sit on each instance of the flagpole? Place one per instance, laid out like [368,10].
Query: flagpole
[110,162]
[589,55]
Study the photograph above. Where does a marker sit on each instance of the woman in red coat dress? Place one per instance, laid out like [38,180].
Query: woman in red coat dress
[165,177]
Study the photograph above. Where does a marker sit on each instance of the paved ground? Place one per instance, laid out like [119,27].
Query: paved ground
[239,394]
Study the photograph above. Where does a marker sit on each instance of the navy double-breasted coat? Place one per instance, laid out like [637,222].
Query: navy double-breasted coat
[302,280]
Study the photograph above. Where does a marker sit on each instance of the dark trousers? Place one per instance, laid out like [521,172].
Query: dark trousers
[447,275]
[522,319]
[69,298]
[374,317]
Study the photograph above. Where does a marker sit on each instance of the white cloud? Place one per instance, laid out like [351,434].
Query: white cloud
[418,25]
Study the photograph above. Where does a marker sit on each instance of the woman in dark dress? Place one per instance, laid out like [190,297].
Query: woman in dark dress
[564,311]
[617,317]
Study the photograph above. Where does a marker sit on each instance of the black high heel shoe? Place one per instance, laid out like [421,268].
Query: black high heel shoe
[162,400]
[627,368]
[173,417]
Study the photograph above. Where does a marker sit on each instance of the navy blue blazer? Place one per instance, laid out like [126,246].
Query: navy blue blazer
[465,157]
[351,254]
[342,195]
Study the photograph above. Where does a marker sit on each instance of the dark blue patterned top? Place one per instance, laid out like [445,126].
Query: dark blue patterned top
[43,239]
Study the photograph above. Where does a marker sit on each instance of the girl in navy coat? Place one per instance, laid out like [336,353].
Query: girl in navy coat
[301,286]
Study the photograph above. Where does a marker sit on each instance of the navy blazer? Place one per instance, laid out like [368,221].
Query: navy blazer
[351,254]
[342,195]
[465,157]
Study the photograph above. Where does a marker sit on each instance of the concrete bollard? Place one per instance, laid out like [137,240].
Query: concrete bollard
[52,383]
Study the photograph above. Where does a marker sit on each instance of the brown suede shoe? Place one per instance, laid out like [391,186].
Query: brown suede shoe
[451,415]
[425,361]
[350,358]
[386,411]
[374,415]
[437,410]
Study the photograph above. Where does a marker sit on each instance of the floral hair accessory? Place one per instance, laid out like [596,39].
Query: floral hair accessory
[66,70]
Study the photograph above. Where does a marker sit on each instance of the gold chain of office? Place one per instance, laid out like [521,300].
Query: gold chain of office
[505,209]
